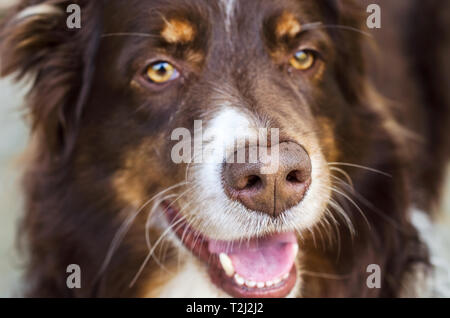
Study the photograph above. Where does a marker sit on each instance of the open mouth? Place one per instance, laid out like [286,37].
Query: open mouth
[258,267]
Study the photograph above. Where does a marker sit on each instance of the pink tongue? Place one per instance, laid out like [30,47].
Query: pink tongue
[261,259]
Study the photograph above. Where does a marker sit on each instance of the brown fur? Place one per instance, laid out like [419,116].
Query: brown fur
[103,150]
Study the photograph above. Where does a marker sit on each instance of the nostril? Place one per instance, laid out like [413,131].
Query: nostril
[271,193]
[253,182]
[295,176]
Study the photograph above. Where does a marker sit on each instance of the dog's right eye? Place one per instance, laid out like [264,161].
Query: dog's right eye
[161,72]
[303,60]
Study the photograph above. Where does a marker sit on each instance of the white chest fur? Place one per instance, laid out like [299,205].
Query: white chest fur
[192,281]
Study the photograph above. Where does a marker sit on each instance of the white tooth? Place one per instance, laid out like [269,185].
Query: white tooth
[269,283]
[239,280]
[276,281]
[295,249]
[260,284]
[226,264]
[250,283]
[285,276]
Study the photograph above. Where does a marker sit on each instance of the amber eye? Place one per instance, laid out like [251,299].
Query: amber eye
[161,72]
[303,60]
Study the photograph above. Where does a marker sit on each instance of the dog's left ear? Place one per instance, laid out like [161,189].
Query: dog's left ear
[37,42]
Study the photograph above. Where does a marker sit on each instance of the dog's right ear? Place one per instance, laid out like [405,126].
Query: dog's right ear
[35,41]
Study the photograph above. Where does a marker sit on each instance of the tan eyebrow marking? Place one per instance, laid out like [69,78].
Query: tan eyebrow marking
[194,57]
[178,31]
[287,25]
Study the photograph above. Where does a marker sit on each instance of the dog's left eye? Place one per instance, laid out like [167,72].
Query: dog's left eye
[303,60]
[161,72]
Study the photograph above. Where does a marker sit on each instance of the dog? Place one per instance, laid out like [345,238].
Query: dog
[356,146]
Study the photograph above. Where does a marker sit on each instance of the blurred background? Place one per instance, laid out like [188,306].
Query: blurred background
[13,140]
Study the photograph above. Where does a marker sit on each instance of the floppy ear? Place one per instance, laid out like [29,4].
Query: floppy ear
[36,41]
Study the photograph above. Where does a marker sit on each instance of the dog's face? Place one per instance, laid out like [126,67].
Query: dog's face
[162,66]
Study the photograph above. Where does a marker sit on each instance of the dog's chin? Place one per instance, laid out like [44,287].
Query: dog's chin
[252,267]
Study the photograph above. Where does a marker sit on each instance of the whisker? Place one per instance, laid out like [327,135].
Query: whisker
[147,258]
[155,206]
[360,167]
[373,208]
[183,236]
[319,231]
[341,212]
[320,25]
[148,224]
[344,173]
[125,226]
[313,237]
[335,226]
[297,230]
[369,204]
[334,189]
[139,34]
[328,229]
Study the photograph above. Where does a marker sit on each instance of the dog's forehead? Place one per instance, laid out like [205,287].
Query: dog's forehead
[205,34]
[220,13]
[228,6]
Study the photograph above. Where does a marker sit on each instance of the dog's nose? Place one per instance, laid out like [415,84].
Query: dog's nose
[271,193]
